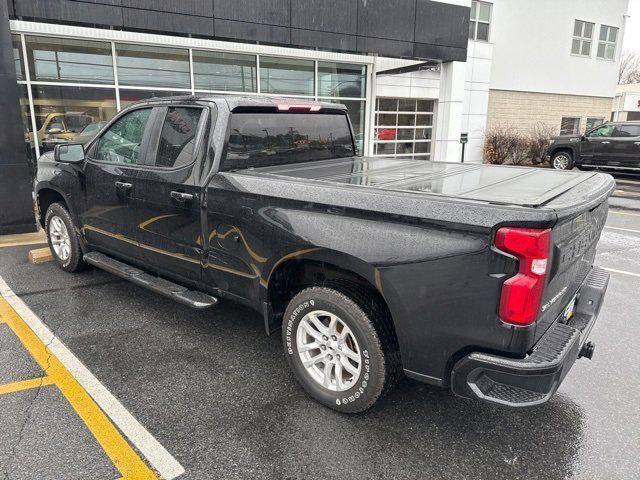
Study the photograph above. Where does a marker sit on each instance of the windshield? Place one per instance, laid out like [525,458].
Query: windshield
[265,139]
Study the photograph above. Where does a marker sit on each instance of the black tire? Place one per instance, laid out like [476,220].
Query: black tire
[369,321]
[562,160]
[74,262]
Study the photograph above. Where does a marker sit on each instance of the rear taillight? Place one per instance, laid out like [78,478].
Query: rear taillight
[522,293]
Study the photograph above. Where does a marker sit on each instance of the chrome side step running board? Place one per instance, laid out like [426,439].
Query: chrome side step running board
[192,298]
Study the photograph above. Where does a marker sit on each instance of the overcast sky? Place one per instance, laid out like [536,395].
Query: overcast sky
[632,32]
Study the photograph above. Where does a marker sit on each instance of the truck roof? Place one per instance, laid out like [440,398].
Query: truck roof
[240,102]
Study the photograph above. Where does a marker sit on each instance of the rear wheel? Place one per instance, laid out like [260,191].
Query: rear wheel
[562,160]
[341,345]
[63,238]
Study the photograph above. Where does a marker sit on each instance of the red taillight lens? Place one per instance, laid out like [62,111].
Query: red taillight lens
[522,293]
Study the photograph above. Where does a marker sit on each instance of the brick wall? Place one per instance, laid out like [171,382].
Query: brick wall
[524,110]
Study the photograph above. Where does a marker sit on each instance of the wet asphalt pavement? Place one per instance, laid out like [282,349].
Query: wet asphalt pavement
[217,394]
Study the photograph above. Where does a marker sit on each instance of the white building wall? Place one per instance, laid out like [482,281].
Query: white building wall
[532,46]
[476,98]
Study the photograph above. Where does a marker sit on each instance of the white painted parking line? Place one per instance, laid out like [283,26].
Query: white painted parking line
[622,229]
[623,272]
[157,456]
[618,212]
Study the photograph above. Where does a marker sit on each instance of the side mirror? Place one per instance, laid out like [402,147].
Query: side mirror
[68,153]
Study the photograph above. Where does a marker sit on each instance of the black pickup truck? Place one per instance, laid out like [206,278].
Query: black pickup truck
[475,278]
[613,146]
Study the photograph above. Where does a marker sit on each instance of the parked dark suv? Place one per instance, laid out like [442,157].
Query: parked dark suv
[613,145]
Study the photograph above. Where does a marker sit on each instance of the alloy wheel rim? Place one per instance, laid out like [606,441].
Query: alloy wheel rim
[561,162]
[329,351]
[60,240]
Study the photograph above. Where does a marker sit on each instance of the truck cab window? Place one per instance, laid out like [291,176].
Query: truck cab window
[267,139]
[121,142]
[178,137]
[602,131]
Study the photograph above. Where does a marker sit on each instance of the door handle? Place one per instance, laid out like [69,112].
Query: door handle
[123,185]
[181,196]
[605,143]
[636,143]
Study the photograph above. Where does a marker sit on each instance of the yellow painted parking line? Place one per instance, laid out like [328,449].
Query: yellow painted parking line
[124,458]
[25,385]
[618,212]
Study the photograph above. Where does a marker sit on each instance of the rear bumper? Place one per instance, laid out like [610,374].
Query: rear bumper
[534,379]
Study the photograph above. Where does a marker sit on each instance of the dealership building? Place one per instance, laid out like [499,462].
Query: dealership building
[417,76]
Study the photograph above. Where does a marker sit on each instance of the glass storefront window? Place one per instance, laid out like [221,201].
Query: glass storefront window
[62,113]
[17,56]
[26,124]
[287,76]
[228,72]
[341,80]
[65,60]
[129,96]
[355,109]
[149,66]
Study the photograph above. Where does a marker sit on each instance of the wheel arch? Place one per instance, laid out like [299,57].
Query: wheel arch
[47,196]
[295,274]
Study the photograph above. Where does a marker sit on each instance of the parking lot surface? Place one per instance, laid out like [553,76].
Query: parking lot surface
[215,392]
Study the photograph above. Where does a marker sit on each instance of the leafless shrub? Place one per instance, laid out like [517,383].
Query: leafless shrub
[629,69]
[508,146]
[538,139]
[505,146]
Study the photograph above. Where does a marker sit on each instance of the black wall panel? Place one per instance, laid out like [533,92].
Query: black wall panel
[323,40]
[384,47]
[251,31]
[270,12]
[136,19]
[201,8]
[448,24]
[68,11]
[338,16]
[16,206]
[423,29]
[392,19]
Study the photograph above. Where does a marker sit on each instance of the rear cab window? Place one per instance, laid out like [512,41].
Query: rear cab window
[262,139]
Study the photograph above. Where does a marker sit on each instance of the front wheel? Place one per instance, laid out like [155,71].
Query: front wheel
[341,345]
[562,161]
[63,238]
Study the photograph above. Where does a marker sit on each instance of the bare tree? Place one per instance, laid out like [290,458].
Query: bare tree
[629,71]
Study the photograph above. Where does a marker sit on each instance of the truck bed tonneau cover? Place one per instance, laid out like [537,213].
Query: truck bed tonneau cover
[505,185]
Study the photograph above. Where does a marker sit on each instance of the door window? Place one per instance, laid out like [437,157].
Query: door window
[603,131]
[178,137]
[121,142]
[627,131]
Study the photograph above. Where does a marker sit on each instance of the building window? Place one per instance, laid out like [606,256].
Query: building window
[152,66]
[607,42]
[17,56]
[404,127]
[288,76]
[569,125]
[66,60]
[341,80]
[582,38]
[479,21]
[63,112]
[593,122]
[79,84]
[227,72]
